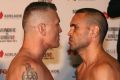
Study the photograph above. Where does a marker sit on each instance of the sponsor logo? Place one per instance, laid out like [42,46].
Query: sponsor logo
[13,16]
[10,54]
[9,16]
[55,71]
[112,34]
[48,55]
[51,56]
[1,15]
[1,53]
[112,51]
[7,35]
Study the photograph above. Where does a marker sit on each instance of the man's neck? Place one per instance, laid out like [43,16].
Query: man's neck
[34,49]
[90,55]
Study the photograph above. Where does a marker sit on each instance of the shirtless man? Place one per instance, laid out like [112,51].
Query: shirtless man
[41,32]
[88,28]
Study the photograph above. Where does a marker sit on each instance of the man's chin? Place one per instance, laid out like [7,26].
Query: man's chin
[72,48]
[56,46]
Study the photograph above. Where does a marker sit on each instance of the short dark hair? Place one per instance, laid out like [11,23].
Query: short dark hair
[96,17]
[36,6]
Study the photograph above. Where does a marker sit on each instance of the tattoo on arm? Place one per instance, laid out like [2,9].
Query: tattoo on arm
[29,74]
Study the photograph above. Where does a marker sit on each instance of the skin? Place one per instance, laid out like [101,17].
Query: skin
[97,64]
[41,33]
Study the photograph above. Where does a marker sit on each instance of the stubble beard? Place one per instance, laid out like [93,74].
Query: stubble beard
[79,47]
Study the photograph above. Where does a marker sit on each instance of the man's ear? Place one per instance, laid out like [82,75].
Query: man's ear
[42,29]
[94,31]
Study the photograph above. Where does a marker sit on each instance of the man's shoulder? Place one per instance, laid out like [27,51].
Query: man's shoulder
[15,71]
[103,66]
[105,71]
[20,66]
[22,71]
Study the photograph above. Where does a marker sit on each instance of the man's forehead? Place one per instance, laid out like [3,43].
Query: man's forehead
[78,17]
[75,19]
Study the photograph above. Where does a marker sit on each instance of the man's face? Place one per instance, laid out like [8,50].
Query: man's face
[78,34]
[53,29]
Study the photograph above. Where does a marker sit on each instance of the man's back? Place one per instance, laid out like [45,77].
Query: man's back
[23,67]
[105,68]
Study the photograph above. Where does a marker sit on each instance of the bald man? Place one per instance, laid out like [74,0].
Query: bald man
[88,29]
[41,32]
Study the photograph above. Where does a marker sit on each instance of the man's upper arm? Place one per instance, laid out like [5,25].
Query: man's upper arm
[23,72]
[29,73]
[104,72]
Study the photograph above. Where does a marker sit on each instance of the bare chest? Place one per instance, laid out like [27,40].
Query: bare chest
[84,73]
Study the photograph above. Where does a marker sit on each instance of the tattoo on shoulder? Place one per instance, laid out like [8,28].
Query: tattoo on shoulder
[29,74]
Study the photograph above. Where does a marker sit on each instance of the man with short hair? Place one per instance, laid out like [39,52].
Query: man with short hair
[88,29]
[41,32]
